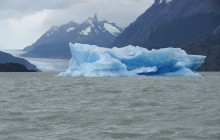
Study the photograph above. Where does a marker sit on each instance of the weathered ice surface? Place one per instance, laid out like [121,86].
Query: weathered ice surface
[94,61]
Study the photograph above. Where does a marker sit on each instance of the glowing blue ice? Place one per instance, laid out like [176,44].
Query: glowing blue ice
[93,61]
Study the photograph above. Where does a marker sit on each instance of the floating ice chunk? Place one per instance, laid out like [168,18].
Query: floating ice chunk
[94,61]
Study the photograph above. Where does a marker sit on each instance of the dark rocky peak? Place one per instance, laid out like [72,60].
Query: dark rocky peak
[92,20]
[55,42]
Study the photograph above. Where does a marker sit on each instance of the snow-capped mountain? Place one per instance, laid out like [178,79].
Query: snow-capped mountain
[55,42]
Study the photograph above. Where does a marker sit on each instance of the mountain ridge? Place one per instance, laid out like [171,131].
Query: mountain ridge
[6,58]
[181,24]
[55,42]
[162,13]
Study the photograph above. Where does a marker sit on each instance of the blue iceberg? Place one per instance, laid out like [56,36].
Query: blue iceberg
[94,61]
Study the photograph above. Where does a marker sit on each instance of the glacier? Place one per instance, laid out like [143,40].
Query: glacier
[93,61]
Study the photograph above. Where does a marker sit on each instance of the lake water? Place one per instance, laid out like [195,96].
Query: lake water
[41,106]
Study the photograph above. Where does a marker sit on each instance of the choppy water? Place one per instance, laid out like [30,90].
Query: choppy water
[40,106]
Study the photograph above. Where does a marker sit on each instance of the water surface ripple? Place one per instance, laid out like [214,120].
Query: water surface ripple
[41,106]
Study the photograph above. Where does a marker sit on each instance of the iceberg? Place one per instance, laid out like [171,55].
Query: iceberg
[93,61]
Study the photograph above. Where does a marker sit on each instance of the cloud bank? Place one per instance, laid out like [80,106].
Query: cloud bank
[24,21]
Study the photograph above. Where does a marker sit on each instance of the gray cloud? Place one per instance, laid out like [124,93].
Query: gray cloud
[35,5]
[19,8]
[23,21]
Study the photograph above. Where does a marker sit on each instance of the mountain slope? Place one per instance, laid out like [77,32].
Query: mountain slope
[210,47]
[54,34]
[55,42]
[14,67]
[172,23]
[6,58]
[188,24]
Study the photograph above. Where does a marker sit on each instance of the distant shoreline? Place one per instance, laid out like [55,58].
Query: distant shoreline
[14,67]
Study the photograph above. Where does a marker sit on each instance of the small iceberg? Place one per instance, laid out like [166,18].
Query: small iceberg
[93,61]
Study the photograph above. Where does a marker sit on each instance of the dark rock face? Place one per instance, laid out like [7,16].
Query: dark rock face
[8,58]
[55,42]
[210,47]
[185,20]
[14,67]
[176,23]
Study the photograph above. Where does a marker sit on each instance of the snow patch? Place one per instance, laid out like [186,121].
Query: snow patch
[91,23]
[167,1]
[70,29]
[86,31]
[50,33]
[111,29]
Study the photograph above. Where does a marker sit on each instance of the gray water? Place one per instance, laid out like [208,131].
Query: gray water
[41,106]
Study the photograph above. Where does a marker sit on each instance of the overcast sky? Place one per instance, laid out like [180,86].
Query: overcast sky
[22,22]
